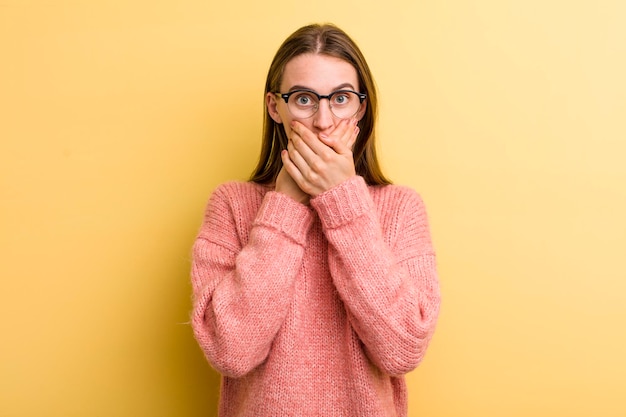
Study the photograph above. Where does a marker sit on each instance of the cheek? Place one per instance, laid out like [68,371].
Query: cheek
[285,116]
[287,129]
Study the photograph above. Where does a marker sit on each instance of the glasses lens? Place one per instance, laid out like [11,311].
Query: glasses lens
[344,104]
[303,104]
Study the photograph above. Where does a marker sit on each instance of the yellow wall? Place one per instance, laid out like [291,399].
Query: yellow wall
[117,119]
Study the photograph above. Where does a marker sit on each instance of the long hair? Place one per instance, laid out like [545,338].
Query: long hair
[328,40]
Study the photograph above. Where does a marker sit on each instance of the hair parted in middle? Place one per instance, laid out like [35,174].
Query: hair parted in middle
[326,39]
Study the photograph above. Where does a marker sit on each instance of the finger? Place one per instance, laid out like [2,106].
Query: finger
[337,134]
[349,131]
[305,137]
[298,160]
[291,168]
[343,136]
[351,134]
[298,144]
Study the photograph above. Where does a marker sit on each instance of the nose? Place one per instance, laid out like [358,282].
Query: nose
[323,119]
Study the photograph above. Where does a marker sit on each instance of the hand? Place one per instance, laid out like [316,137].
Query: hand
[316,164]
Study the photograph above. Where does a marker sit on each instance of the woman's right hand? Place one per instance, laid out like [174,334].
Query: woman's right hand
[286,185]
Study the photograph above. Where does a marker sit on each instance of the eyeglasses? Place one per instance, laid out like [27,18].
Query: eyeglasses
[303,104]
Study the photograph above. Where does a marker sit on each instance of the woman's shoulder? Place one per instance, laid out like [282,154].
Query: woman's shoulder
[393,193]
[399,205]
[235,198]
[240,190]
[233,194]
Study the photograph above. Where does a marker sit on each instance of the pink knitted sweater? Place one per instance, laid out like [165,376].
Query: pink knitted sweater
[314,310]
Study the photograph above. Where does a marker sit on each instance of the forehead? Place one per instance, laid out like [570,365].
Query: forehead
[321,73]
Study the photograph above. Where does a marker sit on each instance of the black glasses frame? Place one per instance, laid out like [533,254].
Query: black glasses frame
[285,96]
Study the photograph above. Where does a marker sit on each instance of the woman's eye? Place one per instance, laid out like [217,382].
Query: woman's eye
[304,100]
[341,99]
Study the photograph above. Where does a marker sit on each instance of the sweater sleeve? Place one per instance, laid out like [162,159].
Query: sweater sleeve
[389,286]
[242,290]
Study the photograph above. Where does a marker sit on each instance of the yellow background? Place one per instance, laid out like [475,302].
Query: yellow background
[118,118]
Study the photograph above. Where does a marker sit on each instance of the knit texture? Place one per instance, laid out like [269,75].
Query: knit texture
[314,310]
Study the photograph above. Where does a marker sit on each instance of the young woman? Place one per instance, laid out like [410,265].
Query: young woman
[315,287]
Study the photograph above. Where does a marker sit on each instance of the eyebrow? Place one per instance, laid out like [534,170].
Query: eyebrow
[339,87]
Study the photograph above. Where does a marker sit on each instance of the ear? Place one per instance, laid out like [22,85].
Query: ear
[272,107]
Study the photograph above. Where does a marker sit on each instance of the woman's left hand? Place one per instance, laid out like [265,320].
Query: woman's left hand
[318,163]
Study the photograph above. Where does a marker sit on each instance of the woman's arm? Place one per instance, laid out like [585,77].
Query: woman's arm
[242,289]
[387,281]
